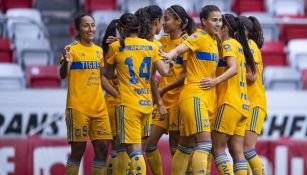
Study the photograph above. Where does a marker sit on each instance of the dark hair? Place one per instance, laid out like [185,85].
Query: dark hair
[178,12]
[206,10]
[147,16]
[128,24]
[254,29]
[110,31]
[77,21]
[237,31]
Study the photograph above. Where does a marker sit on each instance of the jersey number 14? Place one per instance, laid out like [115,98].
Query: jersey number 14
[143,73]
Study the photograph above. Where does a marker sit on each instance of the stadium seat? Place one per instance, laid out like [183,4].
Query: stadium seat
[240,6]
[133,5]
[224,5]
[6,53]
[2,24]
[8,4]
[43,77]
[61,5]
[297,56]
[268,23]
[102,19]
[92,5]
[304,75]
[292,29]
[282,78]
[187,5]
[11,77]
[286,7]
[273,53]
[33,52]
[27,13]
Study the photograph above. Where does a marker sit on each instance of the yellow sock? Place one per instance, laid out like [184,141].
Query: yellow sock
[72,167]
[223,164]
[200,157]
[154,160]
[123,163]
[98,167]
[138,165]
[254,162]
[189,169]
[180,160]
[112,162]
[209,164]
[240,167]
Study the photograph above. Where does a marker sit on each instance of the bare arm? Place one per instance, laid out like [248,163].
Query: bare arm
[179,82]
[109,71]
[232,70]
[105,84]
[180,49]
[250,77]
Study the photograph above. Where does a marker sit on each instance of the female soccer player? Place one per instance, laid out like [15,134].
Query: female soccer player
[134,59]
[256,95]
[233,105]
[86,111]
[197,103]
[179,26]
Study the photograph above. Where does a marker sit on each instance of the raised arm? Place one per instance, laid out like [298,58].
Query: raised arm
[65,63]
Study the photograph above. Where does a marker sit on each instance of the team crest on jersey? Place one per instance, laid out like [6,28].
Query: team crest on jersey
[97,54]
[227,47]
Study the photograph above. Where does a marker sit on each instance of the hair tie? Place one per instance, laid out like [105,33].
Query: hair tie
[129,27]
[184,21]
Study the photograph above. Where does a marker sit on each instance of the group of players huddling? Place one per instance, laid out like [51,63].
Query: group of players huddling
[202,86]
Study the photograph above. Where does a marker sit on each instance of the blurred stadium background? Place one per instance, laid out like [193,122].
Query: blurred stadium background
[32,96]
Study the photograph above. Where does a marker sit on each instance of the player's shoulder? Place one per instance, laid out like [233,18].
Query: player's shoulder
[72,44]
[96,47]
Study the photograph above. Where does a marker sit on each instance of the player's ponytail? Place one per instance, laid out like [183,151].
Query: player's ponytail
[128,24]
[237,31]
[254,29]
[111,30]
[147,16]
[187,24]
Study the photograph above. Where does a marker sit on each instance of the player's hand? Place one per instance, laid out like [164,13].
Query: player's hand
[207,83]
[111,39]
[66,54]
[163,113]
[166,55]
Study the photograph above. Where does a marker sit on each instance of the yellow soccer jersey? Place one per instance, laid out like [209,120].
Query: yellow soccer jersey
[134,65]
[84,85]
[256,90]
[201,63]
[172,97]
[234,90]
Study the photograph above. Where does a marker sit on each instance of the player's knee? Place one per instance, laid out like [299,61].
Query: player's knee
[77,151]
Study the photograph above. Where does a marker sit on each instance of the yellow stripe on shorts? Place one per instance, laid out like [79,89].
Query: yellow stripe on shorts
[254,118]
[197,115]
[218,119]
[121,124]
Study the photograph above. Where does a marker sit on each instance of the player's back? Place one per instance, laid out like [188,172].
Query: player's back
[134,65]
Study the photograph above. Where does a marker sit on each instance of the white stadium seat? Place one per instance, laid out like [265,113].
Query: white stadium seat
[11,77]
[282,78]
[297,56]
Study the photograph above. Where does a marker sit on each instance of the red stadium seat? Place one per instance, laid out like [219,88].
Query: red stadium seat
[293,31]
[6,53]
[304,75]
[43,77]
[7,4]
[240,6]
[273,54]
[92,5]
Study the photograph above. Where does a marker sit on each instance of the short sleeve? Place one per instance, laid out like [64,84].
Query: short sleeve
[192,41]
[228,49]
[156,56]
[111,55]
